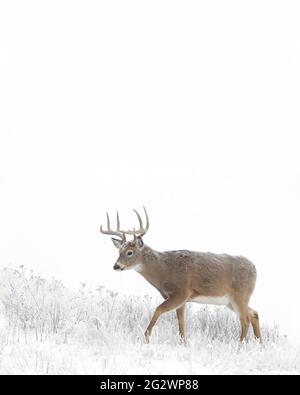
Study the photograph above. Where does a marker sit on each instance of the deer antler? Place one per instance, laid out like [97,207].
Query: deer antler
[121,233]
[141,231]
[118,232]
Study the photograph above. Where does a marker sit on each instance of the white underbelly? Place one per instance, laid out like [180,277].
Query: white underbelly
[218,300]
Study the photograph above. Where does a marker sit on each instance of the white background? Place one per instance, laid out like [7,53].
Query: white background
[188,107]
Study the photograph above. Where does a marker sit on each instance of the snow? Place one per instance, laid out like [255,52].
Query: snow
[46,328]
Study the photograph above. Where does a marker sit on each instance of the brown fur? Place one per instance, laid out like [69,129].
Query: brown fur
[182,275]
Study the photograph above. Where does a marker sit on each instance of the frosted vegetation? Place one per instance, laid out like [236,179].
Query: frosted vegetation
[45,328]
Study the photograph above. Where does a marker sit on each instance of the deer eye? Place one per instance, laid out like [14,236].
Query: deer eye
[129,253]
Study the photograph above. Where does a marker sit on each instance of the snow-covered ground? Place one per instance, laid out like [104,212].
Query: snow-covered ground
[46,328]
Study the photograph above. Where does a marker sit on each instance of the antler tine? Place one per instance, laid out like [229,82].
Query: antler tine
[108,221]
[119,230]
[118,222]
[108,226]
[140,220]
[147,219]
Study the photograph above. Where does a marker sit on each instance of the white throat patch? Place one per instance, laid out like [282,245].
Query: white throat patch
[138,267]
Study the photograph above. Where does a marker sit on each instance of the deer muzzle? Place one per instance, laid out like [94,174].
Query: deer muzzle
[118,267]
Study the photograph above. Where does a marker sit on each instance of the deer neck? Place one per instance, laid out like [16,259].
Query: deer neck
[151,264]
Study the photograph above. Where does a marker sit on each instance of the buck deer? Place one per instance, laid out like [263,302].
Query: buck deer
[185,276]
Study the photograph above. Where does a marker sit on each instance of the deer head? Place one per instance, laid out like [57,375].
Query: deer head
[130,252]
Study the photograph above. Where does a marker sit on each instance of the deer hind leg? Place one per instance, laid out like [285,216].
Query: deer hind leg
[245,322]
[254,319]
[181,325]
[241,309]
[174,302]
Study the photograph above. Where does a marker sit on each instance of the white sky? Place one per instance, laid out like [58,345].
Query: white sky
[188,107]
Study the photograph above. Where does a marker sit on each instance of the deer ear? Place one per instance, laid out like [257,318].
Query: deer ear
[139,242]
[117,243]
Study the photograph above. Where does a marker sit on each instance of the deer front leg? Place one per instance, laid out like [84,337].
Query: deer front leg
[174,302]
[181,325]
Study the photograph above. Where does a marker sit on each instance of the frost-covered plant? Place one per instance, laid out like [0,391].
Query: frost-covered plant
[101,331]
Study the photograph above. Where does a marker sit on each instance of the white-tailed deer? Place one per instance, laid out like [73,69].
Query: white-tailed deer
[185,276]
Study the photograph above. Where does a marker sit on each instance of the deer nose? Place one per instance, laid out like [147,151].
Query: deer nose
[116,266]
